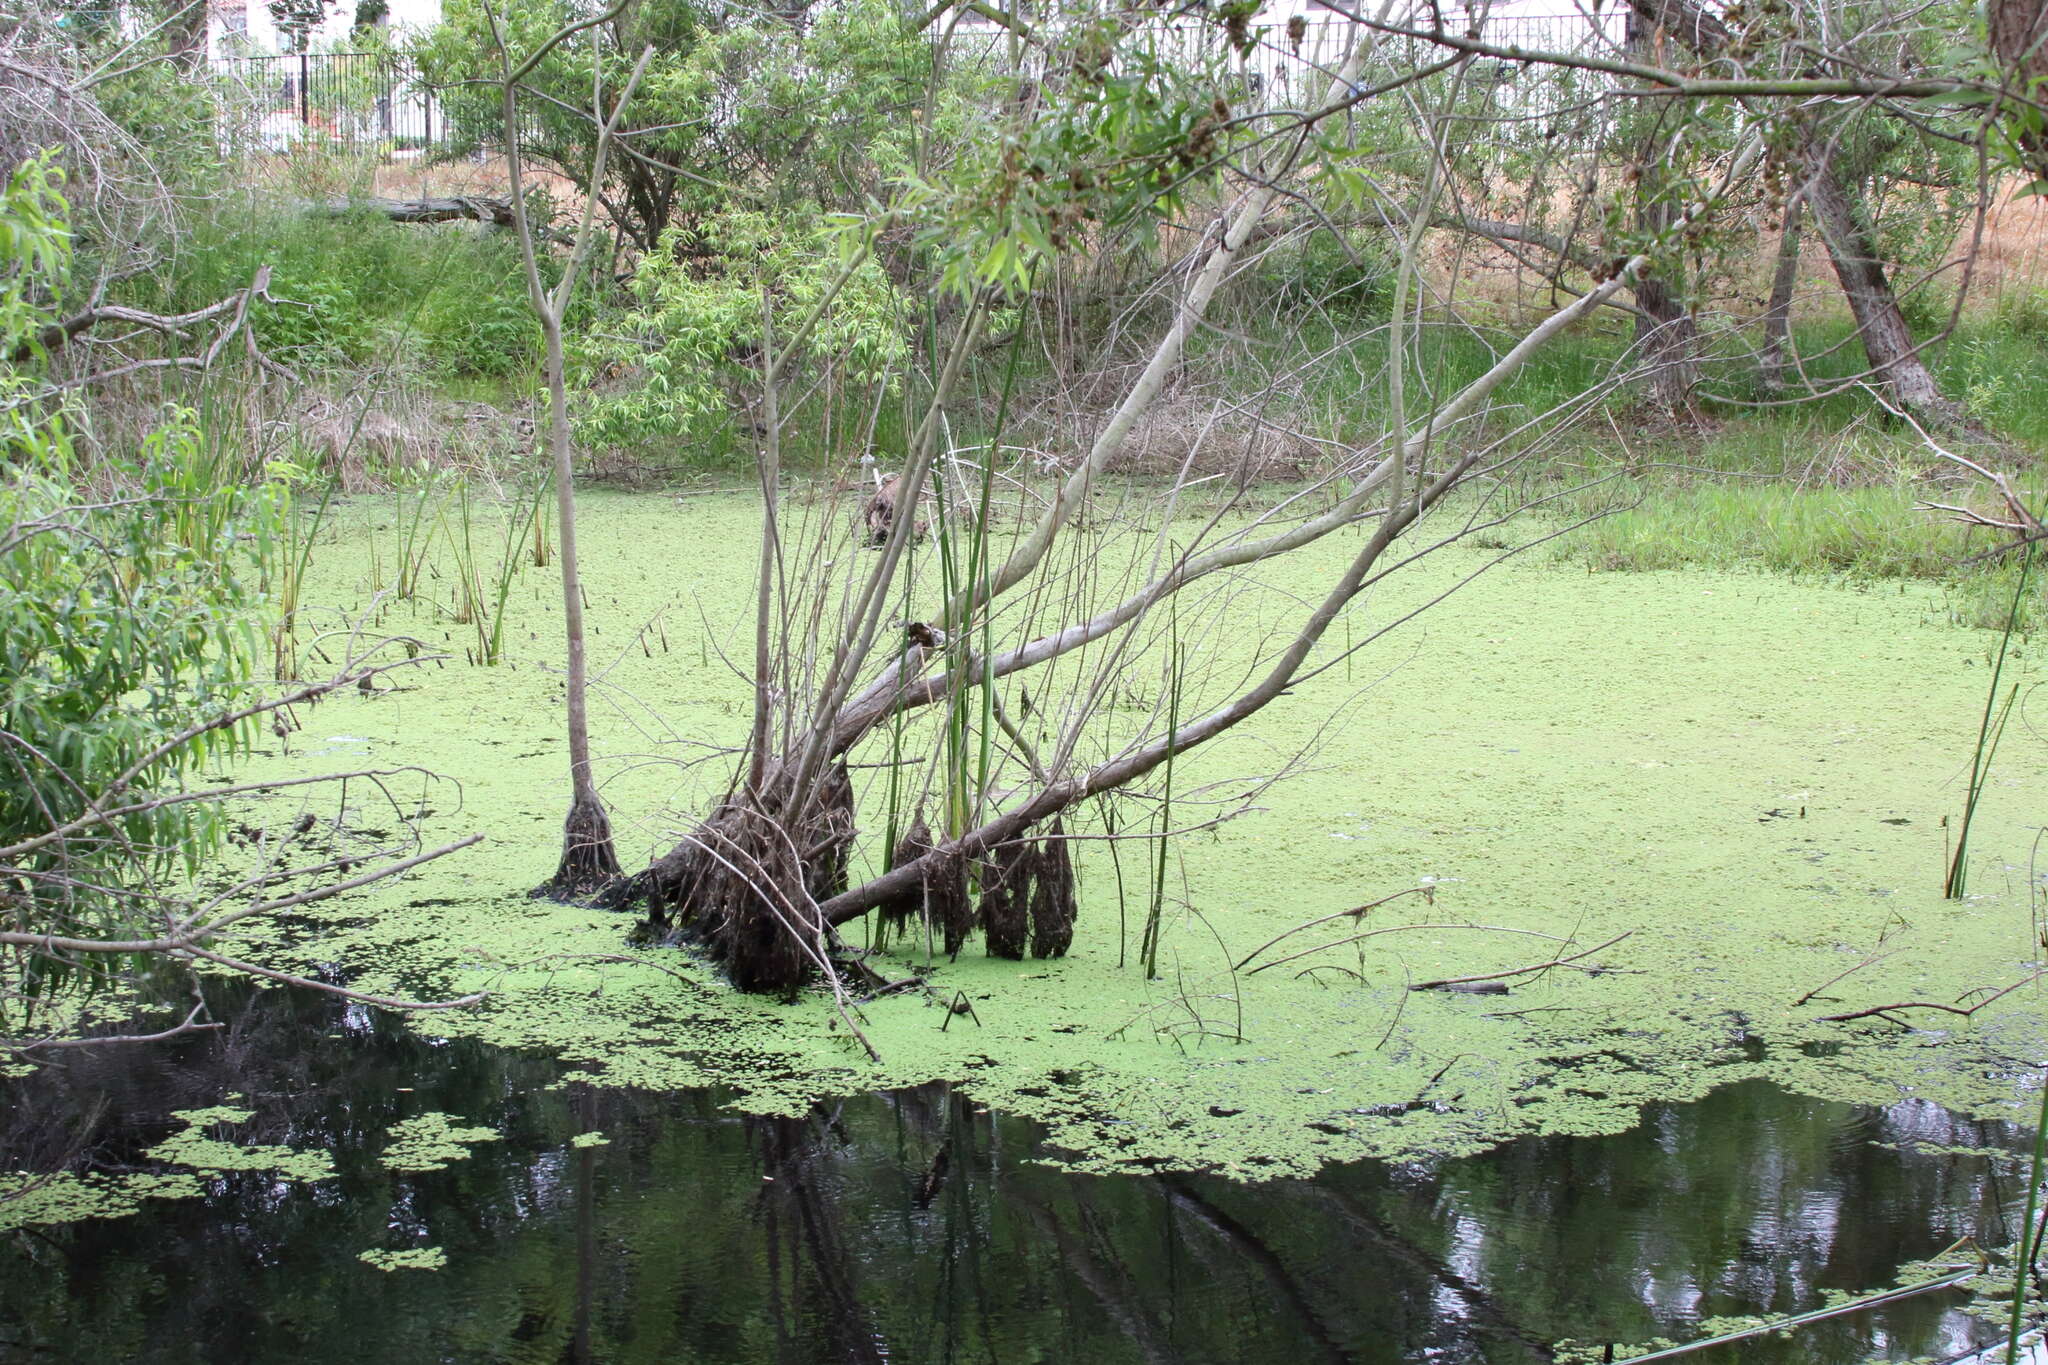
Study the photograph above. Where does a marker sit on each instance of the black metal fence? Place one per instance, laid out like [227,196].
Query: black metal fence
[345,99]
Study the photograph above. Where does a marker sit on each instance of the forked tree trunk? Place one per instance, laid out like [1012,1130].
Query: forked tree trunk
[1887,340]
[762,879]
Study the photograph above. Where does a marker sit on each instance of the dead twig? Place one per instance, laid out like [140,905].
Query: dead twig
[1391,929]
[1866,962]
[1522,971]
[1427,890]
[190,1024]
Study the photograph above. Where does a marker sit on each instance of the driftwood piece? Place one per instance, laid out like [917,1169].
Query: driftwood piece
[231,312]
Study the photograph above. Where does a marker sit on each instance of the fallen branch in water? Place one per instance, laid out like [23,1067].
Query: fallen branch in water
[1866,962]
[1427,890]
[615,959]
[1392,929]
[190,1024]
[1448,982]
[1965,1011]
[1949,1281]
[388,1002]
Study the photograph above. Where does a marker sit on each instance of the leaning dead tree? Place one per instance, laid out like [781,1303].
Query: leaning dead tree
[932,725]
[1058,652]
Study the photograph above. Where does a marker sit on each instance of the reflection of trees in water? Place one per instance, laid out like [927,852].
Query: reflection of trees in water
[914,1227]
[1750,1201]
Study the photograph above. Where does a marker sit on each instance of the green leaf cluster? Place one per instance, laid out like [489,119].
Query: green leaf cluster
[1116,137]
[694,339]
[735,107]
[125,629]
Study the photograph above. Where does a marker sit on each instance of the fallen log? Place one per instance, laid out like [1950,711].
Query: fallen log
[497,212]
[455,208]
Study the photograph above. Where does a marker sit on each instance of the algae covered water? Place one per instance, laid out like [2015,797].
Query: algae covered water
[564,1222]
[1746,783]
[1740,786]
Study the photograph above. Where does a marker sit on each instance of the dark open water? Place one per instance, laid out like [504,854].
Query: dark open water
[912,1227]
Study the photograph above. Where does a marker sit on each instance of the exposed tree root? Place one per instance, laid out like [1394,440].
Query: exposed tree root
[940,901]
[589,863]
[746,882]
[1054,907]
[746,885]
[1027,897]
[1006,899]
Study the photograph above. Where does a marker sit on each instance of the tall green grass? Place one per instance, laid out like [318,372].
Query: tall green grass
[350,284]
[1864,532]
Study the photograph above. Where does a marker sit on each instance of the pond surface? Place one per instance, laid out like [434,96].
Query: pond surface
[917,1226]
[1741,786]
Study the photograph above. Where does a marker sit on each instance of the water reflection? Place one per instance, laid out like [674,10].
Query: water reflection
[916,1227]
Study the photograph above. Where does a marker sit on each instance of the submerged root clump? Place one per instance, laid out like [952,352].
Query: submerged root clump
[1027,898]
[1054,907]
[1006,900]
[898,913]
[940,901]
[589,863]
[747,881]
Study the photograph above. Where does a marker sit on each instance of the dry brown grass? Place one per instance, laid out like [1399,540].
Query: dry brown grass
[2012,254]
[1187,427]
[420,178]
[2014,250]
[364,443]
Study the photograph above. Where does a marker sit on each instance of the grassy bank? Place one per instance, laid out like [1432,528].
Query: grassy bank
[1830,486]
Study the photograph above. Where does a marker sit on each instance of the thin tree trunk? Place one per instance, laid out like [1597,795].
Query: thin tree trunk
[588,861]
[185,35]
[1668,338]
[1778,312]
[769,460]
[1887,340]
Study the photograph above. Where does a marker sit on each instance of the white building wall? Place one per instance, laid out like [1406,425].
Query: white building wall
[237,27]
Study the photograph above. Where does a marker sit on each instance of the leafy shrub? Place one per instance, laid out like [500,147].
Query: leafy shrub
[362,289]
[690,346]
[1351,276]
[477,320]
[125,624]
